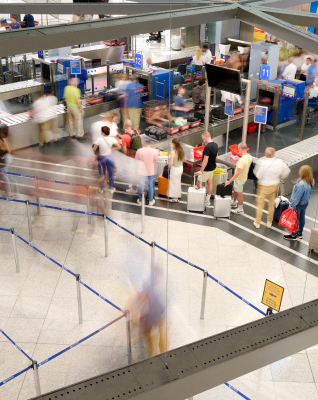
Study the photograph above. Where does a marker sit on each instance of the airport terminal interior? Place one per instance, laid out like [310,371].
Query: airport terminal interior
[158,207]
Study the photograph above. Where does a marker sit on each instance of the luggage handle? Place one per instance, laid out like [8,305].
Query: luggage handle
[194,181]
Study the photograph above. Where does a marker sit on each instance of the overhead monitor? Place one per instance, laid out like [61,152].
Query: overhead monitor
[289,91]
[223,78]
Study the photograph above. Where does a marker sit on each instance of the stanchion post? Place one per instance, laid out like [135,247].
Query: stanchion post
[15,250]
[143,213]
[79,298]
[227,134]
[269,312]
[153,246]
[29,220]
[89,217]
[106,235]
[128,332]
[258,139]
[304,117]
[205,281]
[37,193]
[36,378]
[207,107]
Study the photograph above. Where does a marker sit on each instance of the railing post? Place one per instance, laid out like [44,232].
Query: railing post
[29,220]
[269,312]
[153,246]
[88,205]
[36,378]
[37,193]
[128,332]
[79,298]
[106,235]
[143,212]
[15,251]
[205,280]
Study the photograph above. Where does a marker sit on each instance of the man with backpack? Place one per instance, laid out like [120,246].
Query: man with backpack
[131,142]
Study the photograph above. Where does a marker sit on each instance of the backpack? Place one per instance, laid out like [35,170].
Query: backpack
[135,143]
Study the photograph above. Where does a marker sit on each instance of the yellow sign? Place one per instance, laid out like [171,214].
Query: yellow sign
[272,296]
[259,35]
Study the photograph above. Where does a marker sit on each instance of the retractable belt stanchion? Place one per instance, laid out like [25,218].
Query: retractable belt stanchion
[258,139]
[304,118]
[89,217]
[143,213]
[29,220]
[37,193]
[227,134]
[15,251]
[153,246]
[106,235]
[205,281]
[128,332]
[269,312]
[207,107]
[36,378]
[79,298]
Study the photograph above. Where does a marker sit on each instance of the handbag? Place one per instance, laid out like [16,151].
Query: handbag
[289,220]
[166,171]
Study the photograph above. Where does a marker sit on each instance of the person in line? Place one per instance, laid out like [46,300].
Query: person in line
[179,104]
[300,198]
[269,171]
[6,158]
[239,179]
[206,54]
[75,110]
[39,113]
[128,135]
[133,107]
[312,73]
[52,121]
[110,120]
[197,94]
[29,21]
[103,146]
[304,70]
[290,71]
[14,24]
[198,59]
[208,166]
[176,170]
[148,156]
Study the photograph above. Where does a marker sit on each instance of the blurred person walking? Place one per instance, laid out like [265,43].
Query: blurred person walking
[74,108]
[239,178]
[7,159]
[290,71]
[208,165]
[133,102]
[107,119]
[300,198]
[198,59]
[103,147]
[312,73]
[180,106]
[304,70]
[131,143]
[52,121]
[29,21]
[148,156]
[269,171]
[39,112]
[176,170]
[197,94]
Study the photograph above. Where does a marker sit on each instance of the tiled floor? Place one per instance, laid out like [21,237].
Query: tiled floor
[39,307]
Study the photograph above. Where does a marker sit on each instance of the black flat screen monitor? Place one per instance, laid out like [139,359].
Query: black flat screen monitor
[223,78]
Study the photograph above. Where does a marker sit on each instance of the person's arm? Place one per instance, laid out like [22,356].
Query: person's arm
[117,145]
[296,195]
[202,97]
[285,172]
[204,164]
[95,147]
[173,154]
[236,175]
[79,105]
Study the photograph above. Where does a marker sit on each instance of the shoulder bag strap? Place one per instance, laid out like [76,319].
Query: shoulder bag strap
[108,145]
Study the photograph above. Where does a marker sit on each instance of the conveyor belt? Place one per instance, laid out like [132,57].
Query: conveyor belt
[12,90]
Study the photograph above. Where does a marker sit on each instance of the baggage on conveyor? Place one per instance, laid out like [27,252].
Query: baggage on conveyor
[108,95]
[193,121]
[156,131]
[94,99]
[200,115]
[170,127]
[196,198]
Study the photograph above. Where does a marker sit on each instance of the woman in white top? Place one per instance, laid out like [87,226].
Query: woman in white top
[198,58]
[105,157]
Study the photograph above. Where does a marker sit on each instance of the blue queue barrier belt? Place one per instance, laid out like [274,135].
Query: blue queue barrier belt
[15,345]
[79,342]
[5,230]
[15,375]
[179,258]
[70,272]
[237,391]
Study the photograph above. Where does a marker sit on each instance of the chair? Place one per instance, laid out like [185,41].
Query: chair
[182,68]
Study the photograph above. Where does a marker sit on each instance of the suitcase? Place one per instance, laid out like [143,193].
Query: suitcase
[200,115]
[94,99]
[313,241]
[220,175]
[283,205]
[108,96]
[161,163]
[163,184]
[158,133]
[196,198]
[222,206]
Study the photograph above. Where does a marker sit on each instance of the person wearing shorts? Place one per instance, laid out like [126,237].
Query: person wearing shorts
[208,166]
[239,178]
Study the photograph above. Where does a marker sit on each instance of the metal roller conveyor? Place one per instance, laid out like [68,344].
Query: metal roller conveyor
[12,90]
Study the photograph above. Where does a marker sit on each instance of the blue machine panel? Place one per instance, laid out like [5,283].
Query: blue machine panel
[162,75]
[62,64]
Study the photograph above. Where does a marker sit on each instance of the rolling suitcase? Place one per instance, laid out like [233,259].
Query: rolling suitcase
[313,241]
[163,186]
[283,203]
[196,198]
[222,201]
[220,175]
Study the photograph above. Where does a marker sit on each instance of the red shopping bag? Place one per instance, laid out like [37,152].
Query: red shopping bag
[288,220]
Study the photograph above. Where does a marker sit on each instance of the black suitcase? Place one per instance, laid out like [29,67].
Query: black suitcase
[222,190]
[199,115]
[157,132]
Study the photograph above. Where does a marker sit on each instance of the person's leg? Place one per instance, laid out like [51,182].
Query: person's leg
[152,351]
[238,194]
[163,337]
[151,188]
[110,168]
[42,134]
[79,130]
[271,202]
[301,220]
[71,121]
[54,125]
[261,195]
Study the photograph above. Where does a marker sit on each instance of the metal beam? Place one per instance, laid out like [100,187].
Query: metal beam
[272,3]
[202,365]
[54,36]
[298,18]
[278,27]
[92,8]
